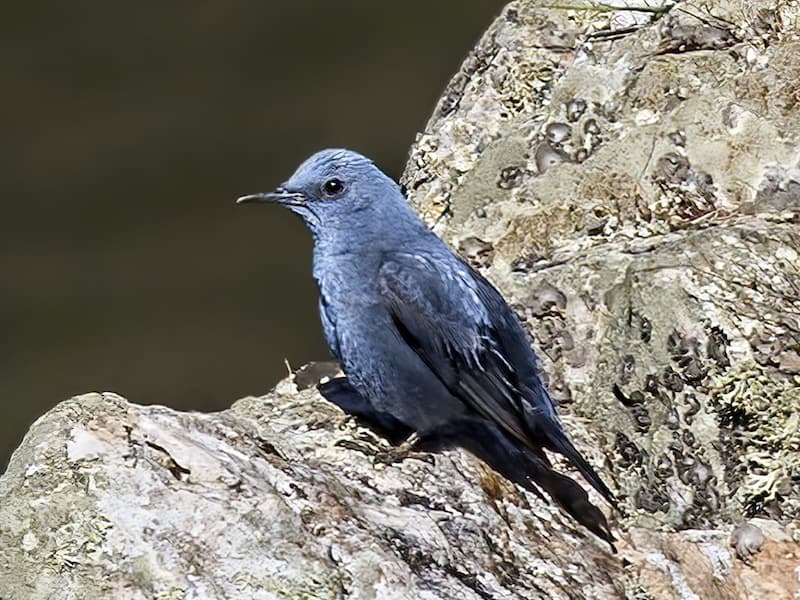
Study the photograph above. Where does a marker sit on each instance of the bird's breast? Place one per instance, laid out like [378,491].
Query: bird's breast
[386,370]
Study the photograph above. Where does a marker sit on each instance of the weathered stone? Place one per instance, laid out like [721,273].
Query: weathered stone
[629,179]
[286,497]
[674,242]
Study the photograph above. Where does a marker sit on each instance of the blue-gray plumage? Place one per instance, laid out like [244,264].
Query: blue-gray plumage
[426,343]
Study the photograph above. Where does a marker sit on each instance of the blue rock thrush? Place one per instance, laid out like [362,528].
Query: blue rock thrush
[427,345]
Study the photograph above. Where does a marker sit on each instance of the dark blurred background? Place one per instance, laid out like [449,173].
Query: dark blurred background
[128,131]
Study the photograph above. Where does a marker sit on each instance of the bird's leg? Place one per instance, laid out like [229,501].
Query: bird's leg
[408,449]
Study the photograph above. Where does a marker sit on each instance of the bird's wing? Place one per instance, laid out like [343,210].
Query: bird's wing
[329,327]
[461,327]
[465,332]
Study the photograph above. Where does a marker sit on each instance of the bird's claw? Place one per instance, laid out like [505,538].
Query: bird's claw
[402,452]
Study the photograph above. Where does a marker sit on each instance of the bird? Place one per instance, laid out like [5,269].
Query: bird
[430,350]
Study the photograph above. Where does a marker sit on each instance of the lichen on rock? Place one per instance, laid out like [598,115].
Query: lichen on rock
[651,183]
[628,174]
[759,413]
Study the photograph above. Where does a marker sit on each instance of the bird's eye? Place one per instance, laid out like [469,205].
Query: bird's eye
[332,187]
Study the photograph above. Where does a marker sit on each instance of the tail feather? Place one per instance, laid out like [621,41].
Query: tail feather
[575,501]
[547,431]
[526,467]
[558,442]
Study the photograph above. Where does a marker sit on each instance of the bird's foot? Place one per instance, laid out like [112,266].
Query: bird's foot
[402,452]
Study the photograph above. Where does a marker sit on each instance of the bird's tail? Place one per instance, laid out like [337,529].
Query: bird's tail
[574,499]
[557,441]
[546,430]
[521,465]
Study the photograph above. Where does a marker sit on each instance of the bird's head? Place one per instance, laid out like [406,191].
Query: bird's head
[332,186]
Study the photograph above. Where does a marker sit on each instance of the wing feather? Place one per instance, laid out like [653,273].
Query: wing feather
[450,327]
[461,327]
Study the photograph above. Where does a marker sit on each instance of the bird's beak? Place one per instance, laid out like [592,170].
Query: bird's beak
[280,195]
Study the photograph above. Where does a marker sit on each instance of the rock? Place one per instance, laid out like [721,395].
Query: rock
[666,217]
[746,539]
[629,179]
[284,497]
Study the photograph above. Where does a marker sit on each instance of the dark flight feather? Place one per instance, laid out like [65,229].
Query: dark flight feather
[474,344]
